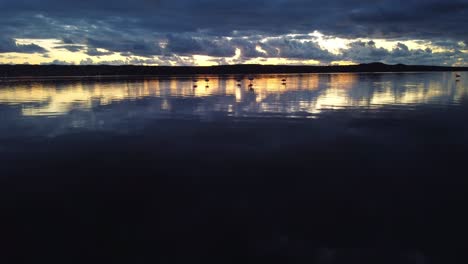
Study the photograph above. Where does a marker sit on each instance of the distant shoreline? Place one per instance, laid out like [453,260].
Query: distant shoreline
[51,71]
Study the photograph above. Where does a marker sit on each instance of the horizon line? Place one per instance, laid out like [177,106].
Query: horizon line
[247,64]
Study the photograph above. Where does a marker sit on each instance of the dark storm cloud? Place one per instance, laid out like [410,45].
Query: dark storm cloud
[292,48]
[364,52]
[10,45]
[414,18]
[211,46]
[250,47]
[460,45]
[201,27]
[125,45]
[408,18]
[367,52]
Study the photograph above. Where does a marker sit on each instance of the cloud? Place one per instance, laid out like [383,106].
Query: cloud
[9,45]
[367,52]
[353,18]
[295,49]
[124,45]
[426,19]
[87,61]
[208,45]
[250,47]
[71,48]
[218,28]
[364,52]
[91,51]
[58,62]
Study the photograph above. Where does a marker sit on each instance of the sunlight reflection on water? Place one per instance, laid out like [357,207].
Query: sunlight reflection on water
[298,95]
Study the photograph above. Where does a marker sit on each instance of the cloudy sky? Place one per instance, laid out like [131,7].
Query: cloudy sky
[211,32]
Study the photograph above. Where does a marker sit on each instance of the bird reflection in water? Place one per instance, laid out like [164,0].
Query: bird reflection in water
[251,89]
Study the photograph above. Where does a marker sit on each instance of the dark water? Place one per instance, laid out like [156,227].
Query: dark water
[330,168]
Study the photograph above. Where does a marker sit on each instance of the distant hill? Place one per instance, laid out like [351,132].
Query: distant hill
[7,71]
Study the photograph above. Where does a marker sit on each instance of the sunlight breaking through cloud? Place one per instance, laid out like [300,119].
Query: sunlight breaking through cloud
[212,32]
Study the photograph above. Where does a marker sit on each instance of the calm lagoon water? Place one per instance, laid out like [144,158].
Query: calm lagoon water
[320,168]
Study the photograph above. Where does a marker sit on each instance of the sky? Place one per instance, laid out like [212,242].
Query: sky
[215,32]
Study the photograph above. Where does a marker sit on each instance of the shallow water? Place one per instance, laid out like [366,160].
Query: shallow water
[321,168]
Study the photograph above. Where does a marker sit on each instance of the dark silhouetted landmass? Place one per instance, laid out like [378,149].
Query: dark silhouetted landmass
[106,70]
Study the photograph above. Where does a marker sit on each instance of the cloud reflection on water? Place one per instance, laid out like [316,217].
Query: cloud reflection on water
[307,94]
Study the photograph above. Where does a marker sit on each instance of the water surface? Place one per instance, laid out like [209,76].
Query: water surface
[319,168]
[298,95]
